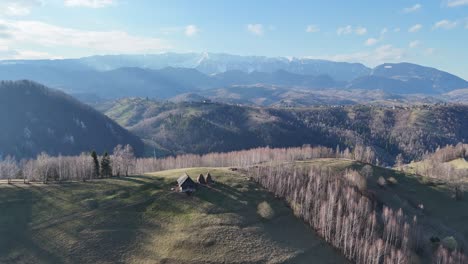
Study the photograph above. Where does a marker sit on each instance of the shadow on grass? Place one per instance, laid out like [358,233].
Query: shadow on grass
[100,234]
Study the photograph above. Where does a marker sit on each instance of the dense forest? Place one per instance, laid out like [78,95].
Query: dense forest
[177,128]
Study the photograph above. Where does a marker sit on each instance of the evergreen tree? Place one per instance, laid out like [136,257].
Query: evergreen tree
[96,164]
[106,169]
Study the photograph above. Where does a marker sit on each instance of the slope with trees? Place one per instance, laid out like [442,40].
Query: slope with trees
[37,119]
[201,127]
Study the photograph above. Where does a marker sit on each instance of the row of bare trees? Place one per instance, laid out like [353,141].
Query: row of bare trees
[123,162]
[45,168]
[435,165]
[336,206]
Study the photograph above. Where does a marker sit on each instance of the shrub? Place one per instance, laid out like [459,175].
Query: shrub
[392,181]
[265,211]
[450,243]
[367,171]
[356,179]
[381,182]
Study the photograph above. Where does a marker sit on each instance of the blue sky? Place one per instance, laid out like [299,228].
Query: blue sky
[432,33]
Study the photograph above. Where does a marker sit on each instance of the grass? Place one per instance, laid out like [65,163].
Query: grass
[459,163]
[140,220]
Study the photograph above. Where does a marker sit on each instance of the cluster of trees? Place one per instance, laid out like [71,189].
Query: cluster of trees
[9,168]
[336,206]
[245,158]
[435,165]
[45,168]
[240,158]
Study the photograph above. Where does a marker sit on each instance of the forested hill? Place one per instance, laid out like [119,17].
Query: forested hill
[211,127]
[35,119]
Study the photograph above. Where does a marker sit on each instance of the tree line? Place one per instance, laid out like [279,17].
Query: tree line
[86,166]
[122,162]
[336,206]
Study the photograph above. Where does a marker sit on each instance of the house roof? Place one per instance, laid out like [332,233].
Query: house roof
[183,179]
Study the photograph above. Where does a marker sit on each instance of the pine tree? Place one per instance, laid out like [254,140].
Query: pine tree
[106,169]
[96,170]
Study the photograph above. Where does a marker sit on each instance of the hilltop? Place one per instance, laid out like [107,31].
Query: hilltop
[35,118]
[139,219]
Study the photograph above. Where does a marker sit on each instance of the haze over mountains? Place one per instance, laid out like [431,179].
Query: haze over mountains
[170,74]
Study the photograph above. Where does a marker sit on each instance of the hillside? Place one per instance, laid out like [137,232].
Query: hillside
[437,213]
[212,127]
[37,119]
[140,220]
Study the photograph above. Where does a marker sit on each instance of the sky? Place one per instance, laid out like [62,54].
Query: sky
[432,33]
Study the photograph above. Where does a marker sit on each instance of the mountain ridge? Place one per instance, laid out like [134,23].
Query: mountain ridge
[38,119]
[168,75]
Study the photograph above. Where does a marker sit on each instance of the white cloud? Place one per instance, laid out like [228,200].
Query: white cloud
[89,3]
[191,30]
[44,36]
[414,44]
[18,7]
[346,30]
[455,3]
[256,29]
[361,30]
[412,9]
[415,28]
[445,24]
[396,30]
[382,54]
[371,42]
[312,28]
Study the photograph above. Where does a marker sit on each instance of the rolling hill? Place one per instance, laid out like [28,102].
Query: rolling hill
[36,119]
[140,220]
[171,128]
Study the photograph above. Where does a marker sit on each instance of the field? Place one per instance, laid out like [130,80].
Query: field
[140,220]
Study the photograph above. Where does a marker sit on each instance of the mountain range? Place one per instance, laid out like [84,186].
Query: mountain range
[168,75]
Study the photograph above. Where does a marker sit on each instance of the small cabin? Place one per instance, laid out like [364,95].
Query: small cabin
[186,184]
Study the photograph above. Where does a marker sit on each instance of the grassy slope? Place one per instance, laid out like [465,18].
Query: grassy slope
[139,220]
[442,215]
[457,164]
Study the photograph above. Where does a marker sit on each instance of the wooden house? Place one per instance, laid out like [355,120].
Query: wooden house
[186,184]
